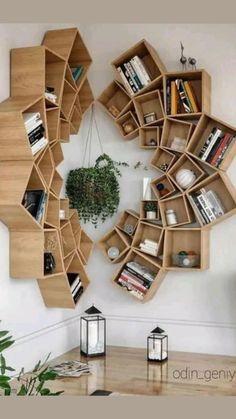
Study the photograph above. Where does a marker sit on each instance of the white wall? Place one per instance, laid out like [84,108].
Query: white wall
[197,309]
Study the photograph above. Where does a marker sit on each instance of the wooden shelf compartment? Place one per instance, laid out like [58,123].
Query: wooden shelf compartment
[115,238]
[57,182]
[85,246]
[202,132]
[168,186]
[115,95]
[52,244]
[14,141]
[149,133]
[128,118]
[143,260]
[52,211]
[46,166]
[68,99]
[151,232]
[57,153]
[163,159]
[143,215]
[67,239]
[75,224]
[193,240]
[219,183]
[200,82]
[75,120]
[85,95]
[128,217]
[64,205]
[173,128]
[69,77]
[180,205]
[76,266]
[53,123]
[35,68]
[185,162]
[64,131]
[147,103]
[150,59]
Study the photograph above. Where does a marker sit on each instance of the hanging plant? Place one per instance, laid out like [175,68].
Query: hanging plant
[94,191]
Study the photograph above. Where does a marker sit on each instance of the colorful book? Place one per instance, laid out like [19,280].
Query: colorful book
[77,71]
[174,98]
[183,96]
[141,70]
[191,96]
[215,138]
[125,81]
[134,76]
[168,96]
[206,207]
[225,150]
[224,141]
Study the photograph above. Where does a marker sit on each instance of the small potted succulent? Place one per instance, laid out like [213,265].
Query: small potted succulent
[150,209]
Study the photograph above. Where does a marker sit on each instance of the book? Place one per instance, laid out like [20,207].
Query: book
[129,279]
[135,76]
[225,151]
[132,275]
[77,72]
[41,207]
[174,99]
[34,138]
[214,202]
[141,70]
[207,142]
[39,145]
[128,77]
[141,271]
[168,96]
[31,201]
[183,96]
[206,207]
[191,96]
[33,125]
[76,289]
[78,294]
[131,77]
[131,288]
[50,96]
[125,81]
[212,140]
[198,209]
[220,146]
[30,117]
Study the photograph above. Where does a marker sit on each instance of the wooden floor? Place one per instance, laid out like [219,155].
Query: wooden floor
[126,371]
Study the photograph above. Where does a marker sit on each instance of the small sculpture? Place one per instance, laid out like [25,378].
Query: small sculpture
[192,61]
[183,59]
[128,127]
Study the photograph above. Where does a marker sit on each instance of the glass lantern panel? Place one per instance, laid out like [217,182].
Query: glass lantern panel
[164,348]
[83,332]
[96,336]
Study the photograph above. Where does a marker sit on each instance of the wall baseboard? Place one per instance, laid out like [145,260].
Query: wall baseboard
[184,335]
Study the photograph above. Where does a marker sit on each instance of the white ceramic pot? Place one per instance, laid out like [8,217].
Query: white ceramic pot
[185,178]
[151,215]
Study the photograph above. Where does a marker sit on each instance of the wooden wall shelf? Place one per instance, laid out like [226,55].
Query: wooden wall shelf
[180,135]
[56,229]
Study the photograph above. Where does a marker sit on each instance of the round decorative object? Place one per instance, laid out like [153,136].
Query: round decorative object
[186,261]
[129,229]
[128,128]
[185,178]
[113,252]
[171,217]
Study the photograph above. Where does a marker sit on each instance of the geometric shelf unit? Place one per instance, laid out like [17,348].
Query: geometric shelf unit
[181,138]
[23,171]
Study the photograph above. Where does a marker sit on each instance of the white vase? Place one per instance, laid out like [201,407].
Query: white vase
[185,178]
[151,215]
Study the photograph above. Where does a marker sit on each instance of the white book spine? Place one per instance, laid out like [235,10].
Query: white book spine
[126,83]
[130,72]
[151,243]
[210,214]
[149,251]
[31,127]
[30,117]
[194,205]
[142,69]
[74,284]
[139,72]
[215,203]
[76,289]
[40,144]
[212,143]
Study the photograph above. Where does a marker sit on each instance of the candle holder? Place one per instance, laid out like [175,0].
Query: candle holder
[92,333]
[157,345]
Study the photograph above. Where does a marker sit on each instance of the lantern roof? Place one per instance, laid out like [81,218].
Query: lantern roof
[157,330]
[92,310]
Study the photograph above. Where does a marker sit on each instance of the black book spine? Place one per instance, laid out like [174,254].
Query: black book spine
[214,148]
[207,142]
[40,128]
[200,208]
[146,282]
[33,140]
[78,294]
[128,78]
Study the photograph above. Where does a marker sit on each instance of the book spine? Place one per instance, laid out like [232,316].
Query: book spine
[191,96]
[142,68]
[138,275]
[125,81]
[32,126]
[75,284]
[215,138]
[207,142]
[130,81]
[184,99]
[80,291]
[148,251]
[135,76]
[196,206]
[214,149]
[214,202]
[139,71]
[39,145]
[168,96]
[141,281]
[204,203]
[174,99]
[225,151]
[219,150]
[35,138]
[130,75]
[40,208]
[75,290]
[132,281]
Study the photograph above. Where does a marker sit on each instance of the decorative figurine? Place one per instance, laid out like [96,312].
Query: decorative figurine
[192,61]
[183,59]
[128,127]
[151,142]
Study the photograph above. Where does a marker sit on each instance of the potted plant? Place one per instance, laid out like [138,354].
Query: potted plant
[150,209]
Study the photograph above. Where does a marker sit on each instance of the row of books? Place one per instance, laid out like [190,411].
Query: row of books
[50,94]
[216,147]
[150,247]
[35,131]
[207,205]
[134,74]
[76,286]
[136,278]
[180,92]
[77,72]
[35,202]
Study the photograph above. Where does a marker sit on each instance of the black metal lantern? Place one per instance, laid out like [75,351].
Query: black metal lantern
[92,333]
[157,345]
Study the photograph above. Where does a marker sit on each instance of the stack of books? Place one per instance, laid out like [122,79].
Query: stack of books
[216,146]
[150,247]
[136,278]
[76,286]
[35,202]
[179,91]
[77,71]
[207,205]
[35,131]
[134,74]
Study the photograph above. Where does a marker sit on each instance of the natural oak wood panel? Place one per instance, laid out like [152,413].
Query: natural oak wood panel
[53,121]
[163,158]
[128,118]
[115,96]
[85,95]
[146,134]
[175,128]
[85,246]
[115,238]
[150,102]
[57,153]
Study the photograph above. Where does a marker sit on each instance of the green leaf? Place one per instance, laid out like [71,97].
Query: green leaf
[49,375]
[3,333]
[5,385]
[22,391]
[9,369]
[7,391]
[45,392]
[3,364]
[4,378]
[57,393]
[6,345]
